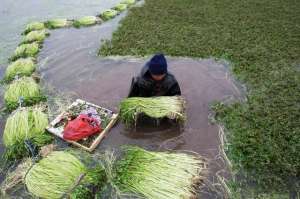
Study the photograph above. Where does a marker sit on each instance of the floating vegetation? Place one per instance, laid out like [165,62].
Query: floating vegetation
[86,21]
[154,107]
[26,50]
[35,36]
[128,2]
[59,174]
[34,26]
[21,67]
[108,14]
[120,7]
[24,90]
[58,23]
[158,175]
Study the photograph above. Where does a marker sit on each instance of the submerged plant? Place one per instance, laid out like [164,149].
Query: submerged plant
[34,26]
[154,107]
[57,23]
[158,175]
[120,7]
[59,174]
[21,67]
[35,36]
[26,50]
[108,14]
[85,21]
[24,90]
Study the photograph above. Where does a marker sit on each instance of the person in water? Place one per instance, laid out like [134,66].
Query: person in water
[154,80]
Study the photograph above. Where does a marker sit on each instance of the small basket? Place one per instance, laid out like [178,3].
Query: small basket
[56,127]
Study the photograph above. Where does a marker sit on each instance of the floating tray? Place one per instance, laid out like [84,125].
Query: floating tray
[56,127]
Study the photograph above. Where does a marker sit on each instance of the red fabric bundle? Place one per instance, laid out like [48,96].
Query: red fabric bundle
[81,127]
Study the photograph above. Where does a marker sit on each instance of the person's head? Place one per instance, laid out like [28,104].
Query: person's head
[158,67]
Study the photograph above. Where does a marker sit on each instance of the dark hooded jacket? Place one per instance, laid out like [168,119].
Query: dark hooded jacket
[144,86]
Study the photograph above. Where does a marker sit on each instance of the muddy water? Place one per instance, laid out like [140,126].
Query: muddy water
[14,15]
[68,62]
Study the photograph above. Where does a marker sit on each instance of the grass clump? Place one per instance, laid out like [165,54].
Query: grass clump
[26,50]
[35,36]
[261,39]
[155,175]
[34,26]
[21,67]
[24,90]
[60,175]
[85,21]
[108,14]
[153,107]
[57,23]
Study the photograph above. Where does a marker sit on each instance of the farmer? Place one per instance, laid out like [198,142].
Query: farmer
[154,80]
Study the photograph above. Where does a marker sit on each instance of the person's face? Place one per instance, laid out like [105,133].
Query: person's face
[158,77]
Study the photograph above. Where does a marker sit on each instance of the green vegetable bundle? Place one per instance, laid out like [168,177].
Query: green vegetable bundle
[172,107]
[27,123]
[23,124]
[108,14]
[35,36]
[61,174]
[34,26]
[26,50]
[86,21]
[58,23]
[21,67]
[25,89]
[120,7]
[129,2]
[158,175]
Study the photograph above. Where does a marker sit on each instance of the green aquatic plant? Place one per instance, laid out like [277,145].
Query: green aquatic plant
[86,21]
[20,67]
[155,107]
[120,7]
[34,26]
[26,50]
[162,175]
[61,174]
[24,90]
[108,14]
[35,36]
[58,23]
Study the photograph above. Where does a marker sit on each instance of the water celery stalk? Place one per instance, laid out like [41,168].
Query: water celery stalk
[34,26]
[172,107]
[24,89]
[108,14]
[120,7]
[26,50]
[158,175]
[62,175]
[35,36]
[86,21]
[21,67]
[57,23]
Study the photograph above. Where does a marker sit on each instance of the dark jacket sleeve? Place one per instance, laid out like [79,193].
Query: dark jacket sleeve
[174,90]
[134,88]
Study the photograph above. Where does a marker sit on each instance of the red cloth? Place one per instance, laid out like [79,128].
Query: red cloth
[81,127]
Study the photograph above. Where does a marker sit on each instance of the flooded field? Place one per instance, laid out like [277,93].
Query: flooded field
[69,63]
